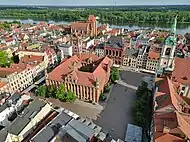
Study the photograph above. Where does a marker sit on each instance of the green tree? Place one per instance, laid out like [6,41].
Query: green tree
[107,88]
[41,91]
[70,97]
[103,97]
[139,118]
[5,61]
[114,75]
[142,107]
[142,89]
[60,94]
[51,91]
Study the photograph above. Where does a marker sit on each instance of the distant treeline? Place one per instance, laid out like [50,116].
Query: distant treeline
[105,15]
[111,7]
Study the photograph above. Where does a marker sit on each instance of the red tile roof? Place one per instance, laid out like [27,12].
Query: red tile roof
[71,65]
[163,98]
[184,123]
[27,59]
[181,71]
[177,121]
[79,25]
[168,120]
[153,55]
[7,71]
[2,84]
[169,95]
[165,137]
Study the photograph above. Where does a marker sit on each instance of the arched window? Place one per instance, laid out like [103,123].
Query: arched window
[168,50]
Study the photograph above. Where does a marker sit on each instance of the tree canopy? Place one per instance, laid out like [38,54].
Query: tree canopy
[114,75]
[110,15]
[41,91]
[142,107]
[58,93]
[5,61]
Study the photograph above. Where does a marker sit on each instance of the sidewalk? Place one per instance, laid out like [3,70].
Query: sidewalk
[104,103]
[90,105]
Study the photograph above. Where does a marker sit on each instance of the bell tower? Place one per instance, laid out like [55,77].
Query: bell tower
[168,51]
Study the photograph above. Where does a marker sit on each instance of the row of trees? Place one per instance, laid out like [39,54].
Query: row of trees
[105,15]
[7,25]
[59,93]
[142,108]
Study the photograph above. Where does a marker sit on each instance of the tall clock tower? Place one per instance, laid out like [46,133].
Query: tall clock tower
[168,52]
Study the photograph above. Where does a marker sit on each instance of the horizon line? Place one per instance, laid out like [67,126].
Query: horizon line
[1,5]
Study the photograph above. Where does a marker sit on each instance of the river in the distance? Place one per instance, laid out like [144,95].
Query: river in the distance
[182,29]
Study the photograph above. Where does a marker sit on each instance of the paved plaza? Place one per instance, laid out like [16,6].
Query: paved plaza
[116,113]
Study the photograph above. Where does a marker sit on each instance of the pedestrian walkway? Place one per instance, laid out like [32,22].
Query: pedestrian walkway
[121,82]
[90,105]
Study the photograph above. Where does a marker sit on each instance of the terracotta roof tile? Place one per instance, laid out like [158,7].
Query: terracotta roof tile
[2,84]
[184,123]
[181,71]
[165,137]
[79,25]
[168,120]
[71,65]
[170,97]
[27,59]
[153,55]
[7,71]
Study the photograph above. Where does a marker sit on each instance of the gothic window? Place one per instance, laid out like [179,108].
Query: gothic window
[116,53]
[113,52]
[168,50]
[109,52]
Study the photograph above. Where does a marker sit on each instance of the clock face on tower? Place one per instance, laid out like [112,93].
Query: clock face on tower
[168,50]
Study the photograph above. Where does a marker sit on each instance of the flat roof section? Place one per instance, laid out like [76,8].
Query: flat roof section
[133,133]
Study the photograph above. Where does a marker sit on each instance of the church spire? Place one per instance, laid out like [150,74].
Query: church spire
[174,26]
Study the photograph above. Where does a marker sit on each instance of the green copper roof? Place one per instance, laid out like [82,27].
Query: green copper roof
[171,41]
[174,26]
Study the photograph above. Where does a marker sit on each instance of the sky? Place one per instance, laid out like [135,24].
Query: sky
[94,2]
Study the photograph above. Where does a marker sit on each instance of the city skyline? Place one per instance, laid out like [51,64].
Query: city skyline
[91,2]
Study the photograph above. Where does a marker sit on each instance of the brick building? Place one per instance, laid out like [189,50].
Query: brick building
[181,75]
[153,60]
[171,113]
[88,27]
[85,75]
[115,48]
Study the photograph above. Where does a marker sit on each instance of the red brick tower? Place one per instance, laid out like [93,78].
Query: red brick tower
[93,26]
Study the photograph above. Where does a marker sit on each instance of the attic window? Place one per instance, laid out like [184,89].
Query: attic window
[185,78]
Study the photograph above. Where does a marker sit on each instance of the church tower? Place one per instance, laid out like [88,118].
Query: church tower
[168,52]
[92,25]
